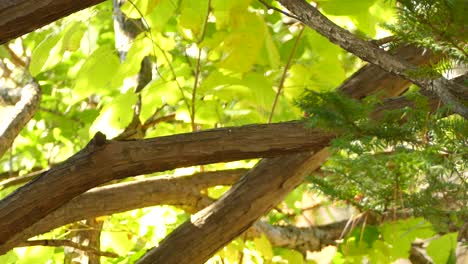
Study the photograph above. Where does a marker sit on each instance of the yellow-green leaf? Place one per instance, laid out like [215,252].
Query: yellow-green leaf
[96,74]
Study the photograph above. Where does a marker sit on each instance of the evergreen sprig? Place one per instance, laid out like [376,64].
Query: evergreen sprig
[408,159]
[439,25]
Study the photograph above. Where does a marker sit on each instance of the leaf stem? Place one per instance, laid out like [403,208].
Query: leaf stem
[283,76]
[198,69]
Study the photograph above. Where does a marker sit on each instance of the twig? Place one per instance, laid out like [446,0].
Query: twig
[283,76]
[278,10]
[19,179]
[15,59]
[67,243]
[383,41]
[198,69]
[152,122]
[57,113]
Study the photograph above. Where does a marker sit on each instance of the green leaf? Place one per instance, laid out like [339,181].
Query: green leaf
[138,8]
[34,255]
[294,196]
[271,51]
[96,74]
[262,91]
[114,117]
[290,256]
[442,249]
[50,51]
[216,80]
[263,245]
[207,112]
[72,36]
[217,191]
[157,93]
[141,47]
[401,233]
[118,242]
[298,79]
[344,7]
[326,58]
[4,52]
[161,14]
[45,55]
[9,257]
[193,16]
[242,47]
[224,10]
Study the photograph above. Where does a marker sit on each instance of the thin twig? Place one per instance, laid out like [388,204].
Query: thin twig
[278,10]
[285,71]
[57,113]
[15,59]
[383,41]
[67,243]
[198,69]
[151,123]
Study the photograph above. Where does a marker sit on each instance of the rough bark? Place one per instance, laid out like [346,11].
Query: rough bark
[102,160]
[18,17]
[371,79]
[444,88]
[19,115]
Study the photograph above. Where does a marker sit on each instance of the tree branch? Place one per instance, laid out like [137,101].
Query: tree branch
[67,243]
[19,115]
[18,17]
[444,88]
[102,161]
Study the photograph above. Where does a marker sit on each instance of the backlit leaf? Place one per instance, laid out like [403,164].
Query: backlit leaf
[95,76]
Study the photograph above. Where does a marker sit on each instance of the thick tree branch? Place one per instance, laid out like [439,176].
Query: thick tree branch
[19,115]
[18,17]
[370,79]
[444,88]
[102,161]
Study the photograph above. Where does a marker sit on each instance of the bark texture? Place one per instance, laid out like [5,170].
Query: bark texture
[18,17]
